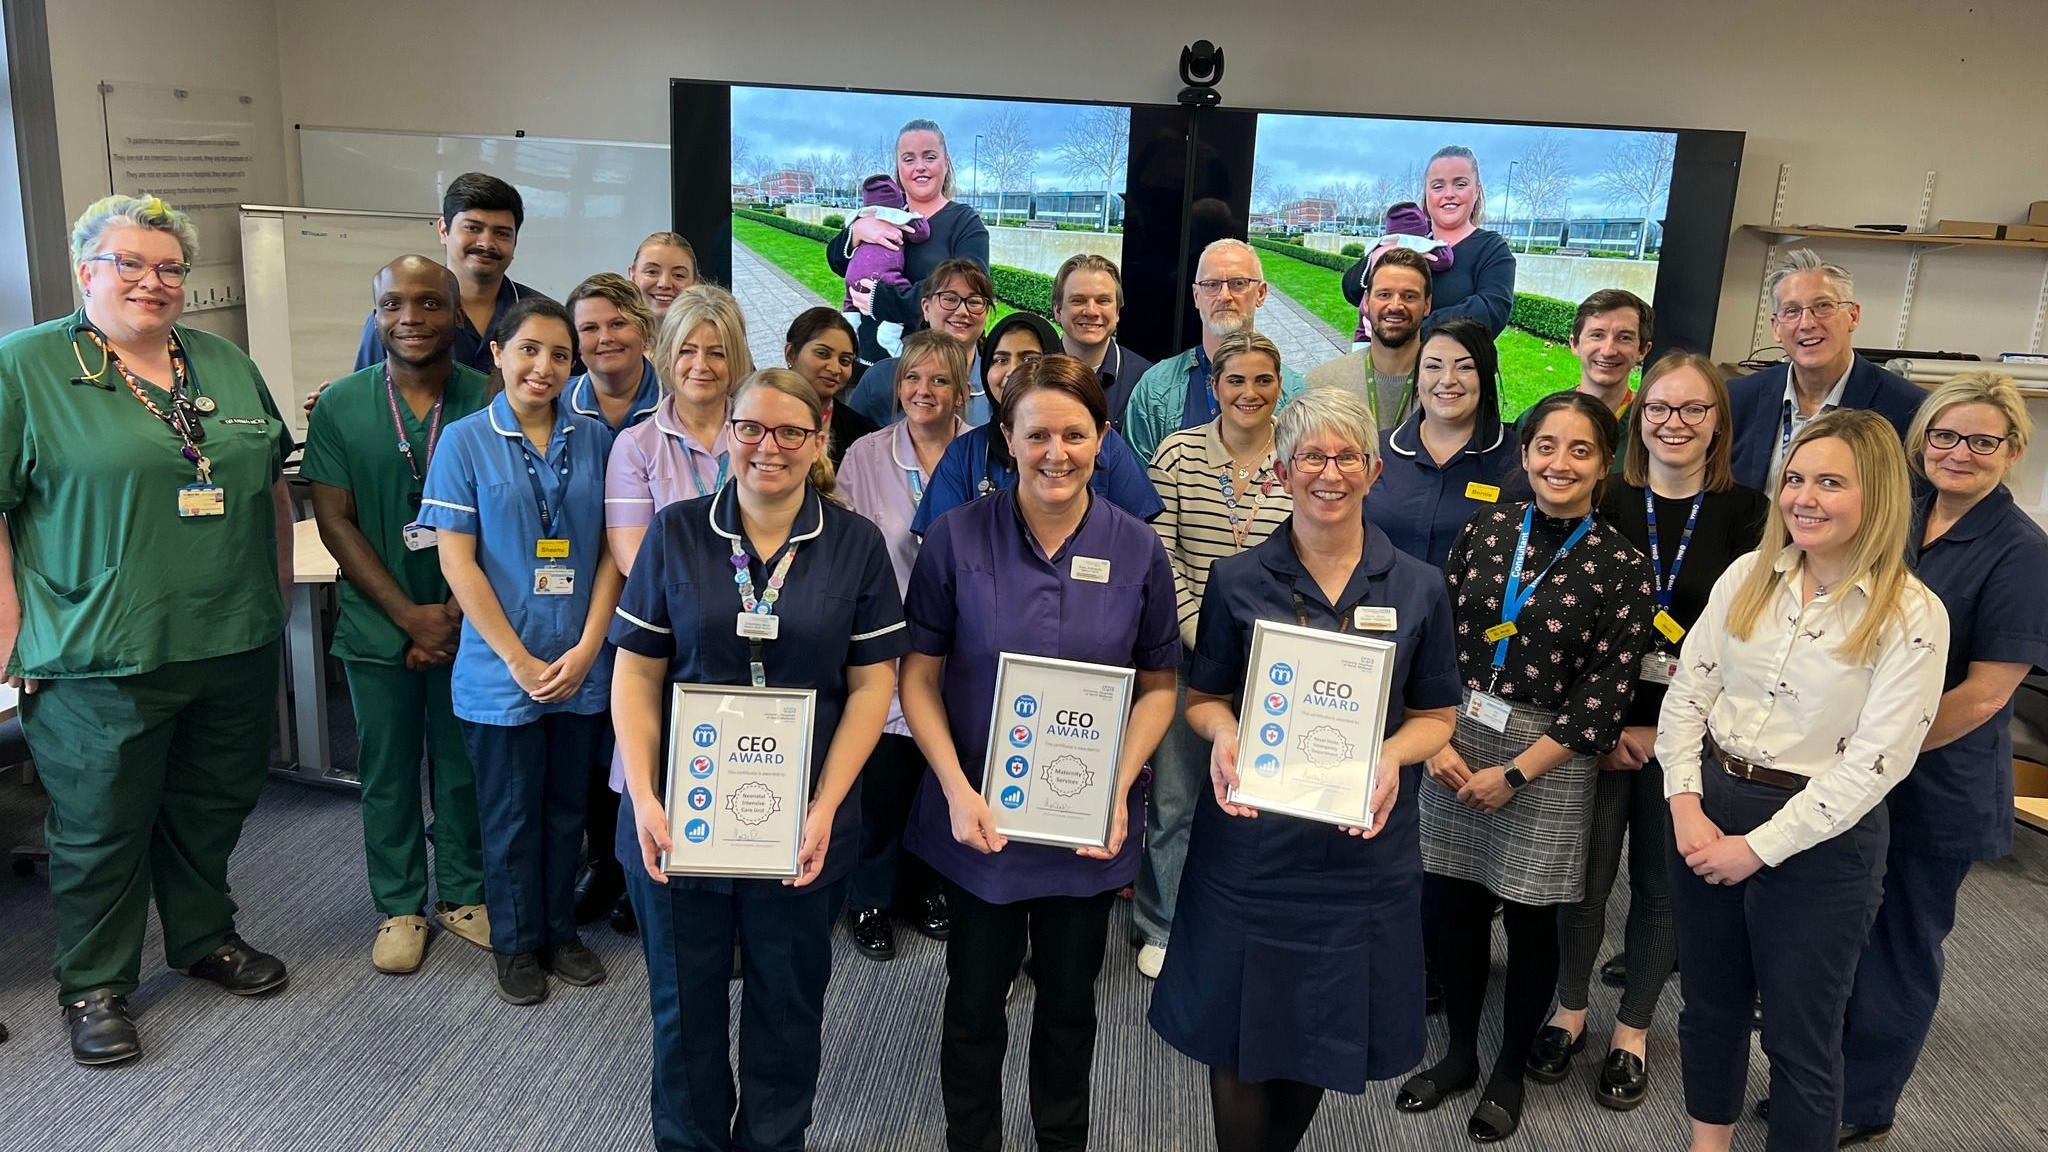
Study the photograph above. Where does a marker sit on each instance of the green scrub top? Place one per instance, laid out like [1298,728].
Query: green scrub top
[351,444]
[112,581]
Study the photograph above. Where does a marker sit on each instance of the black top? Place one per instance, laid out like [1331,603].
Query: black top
[957,231]
[847,425]
[1578,638]
[1730,524]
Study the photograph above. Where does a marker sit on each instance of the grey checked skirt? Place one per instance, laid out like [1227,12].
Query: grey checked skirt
[1533,850]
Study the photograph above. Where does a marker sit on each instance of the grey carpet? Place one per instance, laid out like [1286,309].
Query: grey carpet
[348,1059]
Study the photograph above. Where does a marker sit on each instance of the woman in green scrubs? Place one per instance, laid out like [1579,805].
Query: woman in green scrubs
[140,466]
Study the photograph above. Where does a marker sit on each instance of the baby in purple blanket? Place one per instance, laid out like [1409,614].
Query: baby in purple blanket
[872,264]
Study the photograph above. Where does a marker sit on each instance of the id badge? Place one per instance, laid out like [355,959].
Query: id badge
[418,537]
[755,626]
[1367,618]
[550,549]
[1672,629]
[1659,667]
[1489,710]
[202,500]
[554,581]
[1091,569]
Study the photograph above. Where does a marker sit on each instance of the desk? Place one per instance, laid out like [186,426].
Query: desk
[305,713]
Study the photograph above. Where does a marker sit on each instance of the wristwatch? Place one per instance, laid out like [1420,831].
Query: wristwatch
[1514,776]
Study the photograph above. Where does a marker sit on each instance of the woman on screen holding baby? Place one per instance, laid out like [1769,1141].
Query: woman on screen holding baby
[1475,275]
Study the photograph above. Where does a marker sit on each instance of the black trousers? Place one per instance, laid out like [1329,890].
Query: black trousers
[1627,804]
[888,786]
[601,821]
[1066,935]
[1793,934]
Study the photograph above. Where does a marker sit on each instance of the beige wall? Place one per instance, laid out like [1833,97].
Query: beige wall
[1861,97]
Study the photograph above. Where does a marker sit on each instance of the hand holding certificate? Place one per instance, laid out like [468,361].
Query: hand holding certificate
[739,780]
[1311,722]
[1055,736]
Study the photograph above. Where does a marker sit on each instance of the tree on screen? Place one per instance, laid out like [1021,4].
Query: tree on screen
[1543,179]
[742,159]
[1095,150]
[1262,188]
[1008,155]
[1637,178]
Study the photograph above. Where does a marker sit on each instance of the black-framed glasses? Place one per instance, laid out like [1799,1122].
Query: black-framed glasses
[131,268]
[952,301]
[1349,463]
[1822,311]
[1982,444]
[1238,285]
[788,437]
[1690,415]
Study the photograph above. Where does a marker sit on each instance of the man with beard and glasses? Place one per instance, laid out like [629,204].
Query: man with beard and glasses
[1397,298]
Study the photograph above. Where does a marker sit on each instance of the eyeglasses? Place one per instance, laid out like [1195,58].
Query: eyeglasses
[951,301]
[1238,285]
[1657,412]
[1980,445]
[788,437]
[1349,463]
[1822,311]
[131,269]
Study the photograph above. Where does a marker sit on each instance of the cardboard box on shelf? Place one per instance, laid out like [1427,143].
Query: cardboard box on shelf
[2035,232]
[2037,213]
[1977,229]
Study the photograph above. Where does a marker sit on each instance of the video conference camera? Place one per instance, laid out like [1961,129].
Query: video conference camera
[1201,69]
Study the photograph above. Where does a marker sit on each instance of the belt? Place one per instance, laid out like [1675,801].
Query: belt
[1744,770]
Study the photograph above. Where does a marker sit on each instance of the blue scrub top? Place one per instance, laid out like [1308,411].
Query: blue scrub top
[482,483]
[1987,569]
[1421,505]
[982,587]
[966,472]
[471,346]
[874,396]
[1284,854]
[581,396]
[839,609]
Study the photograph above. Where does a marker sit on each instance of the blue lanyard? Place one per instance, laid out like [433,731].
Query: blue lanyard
[697,473]
[1664,589]
[540,497]
[1517,598]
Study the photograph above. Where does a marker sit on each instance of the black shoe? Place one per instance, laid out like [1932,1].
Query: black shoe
[872,934]
[1624,1081]
[1492,1122]
[240,969]
[597,890]
[1614,973]
[1432,994]
[932,919]
[623,921]
[574,963]
[102,1030]
[1421,1094]
[1763,1108]
[1854,1134]
[1550,1057]
[521,980]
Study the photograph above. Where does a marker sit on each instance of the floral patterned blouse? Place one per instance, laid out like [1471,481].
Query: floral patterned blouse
[1578,638]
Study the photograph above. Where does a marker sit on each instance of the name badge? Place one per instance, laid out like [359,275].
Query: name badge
[554,581]
[1672,629]
[202,500]
[418,537]
[755,626]
[1499,632]
[1489,710]
[1369,619]
[1090,569]
[1486,492]
[1659,667]
[551,549]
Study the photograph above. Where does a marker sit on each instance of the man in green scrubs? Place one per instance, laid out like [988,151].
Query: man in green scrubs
[368,445]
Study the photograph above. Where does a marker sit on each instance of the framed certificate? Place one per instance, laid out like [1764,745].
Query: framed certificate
[739,779]
[1310,724]
[1055,732]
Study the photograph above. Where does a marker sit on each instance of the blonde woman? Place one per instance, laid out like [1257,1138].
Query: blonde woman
[664,266]
[1801,699]
[613,327]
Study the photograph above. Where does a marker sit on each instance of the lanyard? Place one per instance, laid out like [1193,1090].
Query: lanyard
[540,497]
[182,419]
[1301,613]
[697,473]
[1208,372]
[1664,589]
[418,468]
[1516,598]
[743,576]
[1241,525]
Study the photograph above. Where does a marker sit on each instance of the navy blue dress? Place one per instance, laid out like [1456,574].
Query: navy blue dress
[1297,948]
[1422,505]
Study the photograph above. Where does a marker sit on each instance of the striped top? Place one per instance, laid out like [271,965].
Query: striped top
[1203,495]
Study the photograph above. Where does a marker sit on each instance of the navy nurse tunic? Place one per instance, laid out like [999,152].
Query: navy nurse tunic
[838,608]
[967,470]
[982,587]
[1297,949]
[1421,505]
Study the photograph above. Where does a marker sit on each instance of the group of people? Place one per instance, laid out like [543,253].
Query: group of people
[1766,632]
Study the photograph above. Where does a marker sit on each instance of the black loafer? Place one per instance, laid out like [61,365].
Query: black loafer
[1624,1081]
[1855,1134]
[102,1029]
[1419,1093]
[1491,1123]
[873,935]
[600,887]
[623,921]
[933,920]
[1614,973]
[574,963]
[240,969]
[521,980]
[1550,1057]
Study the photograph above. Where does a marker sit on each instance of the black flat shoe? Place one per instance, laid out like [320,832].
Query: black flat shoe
[1624,1081]
[1422,1094]
[521,980]
[1763,1108]
[102,1029]
[1550,1057]
[1614,973]
[1855,1134]
[872,934]
[574,963]
[240,969]
[933,920]
[1491,1123]
[597,891]
[623,921]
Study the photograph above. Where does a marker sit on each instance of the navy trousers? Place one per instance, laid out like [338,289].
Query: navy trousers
[530,797]
[1793,934]
[1898,983]
[785,942]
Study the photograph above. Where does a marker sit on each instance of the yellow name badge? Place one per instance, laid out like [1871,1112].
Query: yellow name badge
[551,549]
[1486,492]
[1672,629]
[1499,632]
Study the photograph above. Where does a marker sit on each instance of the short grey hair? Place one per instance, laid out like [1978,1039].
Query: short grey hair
[1232,244]
[1807,260]
[1333,410]
[1458,152]
[139,211]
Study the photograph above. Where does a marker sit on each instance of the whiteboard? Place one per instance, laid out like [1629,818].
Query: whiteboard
[589,203]
[308,272]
